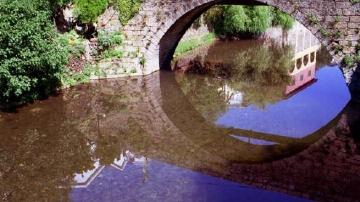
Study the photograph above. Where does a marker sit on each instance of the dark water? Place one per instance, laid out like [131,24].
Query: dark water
[230,135]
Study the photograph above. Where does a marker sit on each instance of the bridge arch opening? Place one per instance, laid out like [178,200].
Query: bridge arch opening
[173,35]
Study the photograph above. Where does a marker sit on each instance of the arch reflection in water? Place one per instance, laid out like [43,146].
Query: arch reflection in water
[273,85]
[83,137]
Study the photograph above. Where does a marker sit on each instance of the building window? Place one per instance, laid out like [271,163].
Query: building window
[309,73]
[306,60]
[312,57]
[302,78]
[299,63]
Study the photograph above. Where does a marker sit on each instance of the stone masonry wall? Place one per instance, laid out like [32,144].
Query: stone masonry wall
[152,35]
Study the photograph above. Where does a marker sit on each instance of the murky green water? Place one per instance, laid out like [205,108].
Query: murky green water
[229,135]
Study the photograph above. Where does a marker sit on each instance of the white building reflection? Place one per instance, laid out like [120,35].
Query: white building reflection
[303,71]
[306,46]
[84,179]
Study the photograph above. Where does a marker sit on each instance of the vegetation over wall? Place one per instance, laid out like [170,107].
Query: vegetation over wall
[36,60]
[245,20]
[128,9]
[89,10]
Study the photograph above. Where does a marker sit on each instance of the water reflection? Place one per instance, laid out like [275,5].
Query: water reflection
[271,85]
[157,138]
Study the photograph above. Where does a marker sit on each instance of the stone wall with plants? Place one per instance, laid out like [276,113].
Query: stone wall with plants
[38,56]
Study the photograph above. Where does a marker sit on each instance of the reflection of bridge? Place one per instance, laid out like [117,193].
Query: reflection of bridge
[174,132]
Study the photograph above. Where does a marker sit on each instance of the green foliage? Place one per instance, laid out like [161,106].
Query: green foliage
[109,39]
[128,9]
[282,19]
[213,18]
[324,32]
[70,78]
[59,2]
[112,53]
[235,20]
[73,43]
[351,60]
[260,19]
[250,20]
[348,61]
[89,10]
[109,43]
[31,59]
[190,44]
[313,19]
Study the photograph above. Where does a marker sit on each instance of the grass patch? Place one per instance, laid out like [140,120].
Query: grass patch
[191,44]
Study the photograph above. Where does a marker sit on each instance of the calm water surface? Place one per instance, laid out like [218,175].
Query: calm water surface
[242,132]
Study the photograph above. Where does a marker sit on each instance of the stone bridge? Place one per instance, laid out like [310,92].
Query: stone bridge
[152,35]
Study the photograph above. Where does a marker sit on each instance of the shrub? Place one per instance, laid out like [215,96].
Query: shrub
[73,43]
[128,9]
[235,20]
[282,19]
[108,39]
[112,53]
[89,10]
[249,20]
[214,19]
[260,18]
[31,59]
[70,78]
[348,61]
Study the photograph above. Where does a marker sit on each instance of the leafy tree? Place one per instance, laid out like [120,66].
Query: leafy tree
[235,20]
[214,19]
[31,59]
[245,20]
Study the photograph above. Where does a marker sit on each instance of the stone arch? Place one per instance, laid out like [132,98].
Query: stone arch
[157,21]
[184,19]
[167,20]
[173,35]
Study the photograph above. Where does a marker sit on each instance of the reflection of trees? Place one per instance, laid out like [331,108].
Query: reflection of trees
[260,72]
[202,92]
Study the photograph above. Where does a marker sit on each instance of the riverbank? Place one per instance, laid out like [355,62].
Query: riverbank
[193,43]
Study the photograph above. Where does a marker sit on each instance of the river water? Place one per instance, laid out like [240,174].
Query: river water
[257,120]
